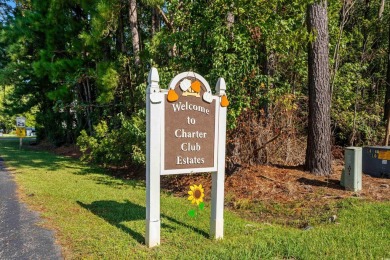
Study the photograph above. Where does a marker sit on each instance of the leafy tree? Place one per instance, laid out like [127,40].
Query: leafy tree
[83,65]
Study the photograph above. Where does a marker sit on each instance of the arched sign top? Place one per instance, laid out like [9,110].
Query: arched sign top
[184,75]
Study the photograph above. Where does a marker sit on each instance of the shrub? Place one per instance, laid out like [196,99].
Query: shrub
[121,146]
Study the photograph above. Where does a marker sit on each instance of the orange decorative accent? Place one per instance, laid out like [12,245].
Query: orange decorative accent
[224,101]
[172,95]
[195,86]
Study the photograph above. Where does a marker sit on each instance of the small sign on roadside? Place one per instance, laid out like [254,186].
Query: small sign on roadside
[20,121]
[20,132]
[20,129]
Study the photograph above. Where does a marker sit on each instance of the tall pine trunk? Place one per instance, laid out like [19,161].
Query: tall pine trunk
[381,9]
[387,97]
[155,21]
[318,153]
[134,31]
[120,41]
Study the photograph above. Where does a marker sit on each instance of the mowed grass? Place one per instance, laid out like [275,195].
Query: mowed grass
[96,216]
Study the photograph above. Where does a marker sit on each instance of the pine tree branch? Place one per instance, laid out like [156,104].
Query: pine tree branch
[165,18]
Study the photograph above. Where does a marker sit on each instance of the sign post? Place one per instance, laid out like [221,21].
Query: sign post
[218,177]
[154,107]
[20,129]
[186,133]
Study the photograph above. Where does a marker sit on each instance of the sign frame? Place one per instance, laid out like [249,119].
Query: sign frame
[155,123]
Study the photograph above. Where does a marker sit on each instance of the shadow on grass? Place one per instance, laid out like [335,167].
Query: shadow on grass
[116,213]
[27,158]
[38,159]
[195,229]
[117,183]
[113,212]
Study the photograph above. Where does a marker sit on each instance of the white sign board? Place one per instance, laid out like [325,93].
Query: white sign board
[185,133]
[20,121]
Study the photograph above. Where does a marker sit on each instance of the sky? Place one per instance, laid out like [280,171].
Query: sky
[11,3]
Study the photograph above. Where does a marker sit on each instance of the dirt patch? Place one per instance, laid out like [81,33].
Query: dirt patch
[70,150]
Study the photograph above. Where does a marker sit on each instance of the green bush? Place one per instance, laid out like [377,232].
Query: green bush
[121,146]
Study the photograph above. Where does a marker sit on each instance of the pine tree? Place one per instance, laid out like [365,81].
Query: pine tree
[318,154]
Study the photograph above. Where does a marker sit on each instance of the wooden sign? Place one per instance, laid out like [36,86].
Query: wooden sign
[185,133]
[190,143]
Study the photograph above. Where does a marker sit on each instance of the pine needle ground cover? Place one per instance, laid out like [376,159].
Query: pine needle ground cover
[96,216]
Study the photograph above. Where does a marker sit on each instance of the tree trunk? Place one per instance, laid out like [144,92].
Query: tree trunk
[230,22]
[155,21]
[381,9]
[387,97]
[344,13]
[87,108]
[134,31]
[169,23]
[318,153]
[387,132]
[120,41]
[365,29]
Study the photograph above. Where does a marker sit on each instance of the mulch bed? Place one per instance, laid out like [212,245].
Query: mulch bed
[264,183]
[284,195]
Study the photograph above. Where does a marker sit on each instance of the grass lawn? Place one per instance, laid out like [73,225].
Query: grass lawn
[96,216]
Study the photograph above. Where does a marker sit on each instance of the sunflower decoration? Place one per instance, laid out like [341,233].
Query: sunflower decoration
[196,195]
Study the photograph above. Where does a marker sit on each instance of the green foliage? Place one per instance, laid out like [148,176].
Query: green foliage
[122,146]
[6,121]
[73,62]
[108,80]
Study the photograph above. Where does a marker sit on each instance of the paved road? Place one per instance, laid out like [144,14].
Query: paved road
[20,237]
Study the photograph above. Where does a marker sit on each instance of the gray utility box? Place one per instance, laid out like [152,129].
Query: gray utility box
[351,177]
[376,161]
